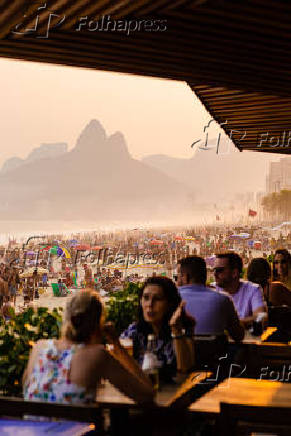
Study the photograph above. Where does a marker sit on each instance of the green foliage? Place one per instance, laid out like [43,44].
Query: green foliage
[278,203]
[19,334]
[122,307]
[17,337]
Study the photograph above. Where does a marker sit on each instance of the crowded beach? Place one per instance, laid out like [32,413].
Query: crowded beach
[138,315]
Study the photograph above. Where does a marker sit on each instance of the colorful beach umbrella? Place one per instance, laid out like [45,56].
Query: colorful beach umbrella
[66,253]
[83,247]
[244,235]
[156,242]
[189,238]
[54,250]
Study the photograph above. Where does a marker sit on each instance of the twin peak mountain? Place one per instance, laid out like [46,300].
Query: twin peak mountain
[97,179]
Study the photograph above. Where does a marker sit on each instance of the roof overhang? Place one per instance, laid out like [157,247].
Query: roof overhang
[234,55]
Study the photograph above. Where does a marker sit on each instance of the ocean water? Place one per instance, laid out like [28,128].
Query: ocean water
[21,230]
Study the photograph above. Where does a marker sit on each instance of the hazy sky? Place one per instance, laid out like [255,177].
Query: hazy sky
[46,103]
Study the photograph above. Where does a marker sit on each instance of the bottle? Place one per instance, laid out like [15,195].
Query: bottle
[258,324]
[150,362]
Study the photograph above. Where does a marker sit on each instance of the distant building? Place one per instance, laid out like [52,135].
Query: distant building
[279,176]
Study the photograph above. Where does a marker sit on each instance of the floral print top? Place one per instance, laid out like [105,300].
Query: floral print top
[49,380]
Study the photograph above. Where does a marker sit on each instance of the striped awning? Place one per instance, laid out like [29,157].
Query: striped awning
[234,55]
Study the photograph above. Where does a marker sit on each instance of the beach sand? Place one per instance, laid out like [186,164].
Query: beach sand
[47,299]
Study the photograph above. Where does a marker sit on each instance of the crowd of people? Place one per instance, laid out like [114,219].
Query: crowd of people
[202,292]
[173,312]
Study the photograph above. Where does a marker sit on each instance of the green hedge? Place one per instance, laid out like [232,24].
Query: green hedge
[18,335]
[122,307]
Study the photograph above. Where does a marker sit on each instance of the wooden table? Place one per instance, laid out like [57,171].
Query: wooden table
[250,339]
[108,395]
[244,391]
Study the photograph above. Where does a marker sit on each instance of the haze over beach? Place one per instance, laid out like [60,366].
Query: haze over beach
[93,148]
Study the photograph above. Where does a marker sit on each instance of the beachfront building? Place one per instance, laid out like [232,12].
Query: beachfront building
[279,177]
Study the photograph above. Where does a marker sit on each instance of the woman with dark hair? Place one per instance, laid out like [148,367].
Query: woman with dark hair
[69,369]
[280,292]
[282,267]
[259,271]
[161,312]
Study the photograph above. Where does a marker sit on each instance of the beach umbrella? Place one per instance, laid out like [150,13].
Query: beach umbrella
[54,250]
[244,235]
[189,238]
[83,247]
[97,247]
[60,251]
[66,253]
[156,242]
[179,238]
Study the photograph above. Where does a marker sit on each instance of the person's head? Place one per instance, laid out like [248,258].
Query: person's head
[83,317]
[259,271]
[282,264]
[191,269]
[159,298]
[227,269]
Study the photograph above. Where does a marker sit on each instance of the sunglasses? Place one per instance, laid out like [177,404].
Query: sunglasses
[282,262]
[218,269]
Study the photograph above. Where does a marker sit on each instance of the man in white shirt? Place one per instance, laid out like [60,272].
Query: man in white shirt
[247,296]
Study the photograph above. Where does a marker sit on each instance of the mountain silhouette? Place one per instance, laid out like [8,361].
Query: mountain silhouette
[42,152]
[216,177]
[97,179]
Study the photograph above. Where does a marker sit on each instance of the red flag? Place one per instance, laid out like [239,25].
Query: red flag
[217,218]
[252,212]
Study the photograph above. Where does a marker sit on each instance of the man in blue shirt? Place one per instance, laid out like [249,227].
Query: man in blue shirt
[214,312]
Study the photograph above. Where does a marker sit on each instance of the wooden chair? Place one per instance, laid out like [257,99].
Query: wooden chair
[208,350]
[238,419]
[268,357]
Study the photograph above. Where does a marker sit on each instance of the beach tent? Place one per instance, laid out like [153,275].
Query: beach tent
[30,271]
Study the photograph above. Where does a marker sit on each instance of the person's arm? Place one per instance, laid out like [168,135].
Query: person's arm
[134,384]
[183,345]
[234,326]
[120,354]
[258,306]
[248,320]
[279,294]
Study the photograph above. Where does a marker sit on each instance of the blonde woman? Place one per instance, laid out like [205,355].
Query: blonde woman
[69,369]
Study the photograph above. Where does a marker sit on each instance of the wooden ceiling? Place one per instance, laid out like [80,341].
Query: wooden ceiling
[235,55]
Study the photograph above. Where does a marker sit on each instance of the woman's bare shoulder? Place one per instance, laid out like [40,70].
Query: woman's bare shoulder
[92,356]
[93,351]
